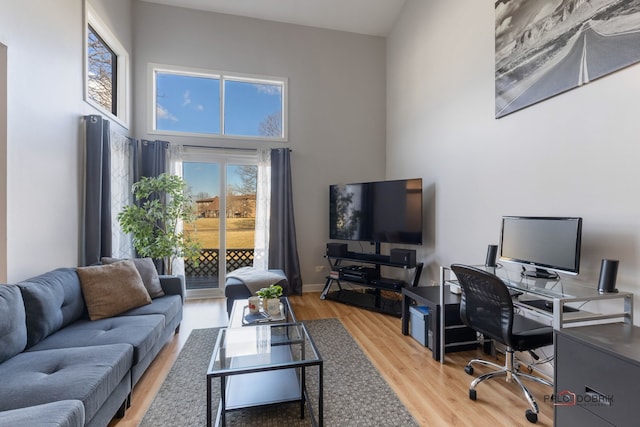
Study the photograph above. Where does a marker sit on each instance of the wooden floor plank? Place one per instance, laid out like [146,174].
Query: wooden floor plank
[435,394]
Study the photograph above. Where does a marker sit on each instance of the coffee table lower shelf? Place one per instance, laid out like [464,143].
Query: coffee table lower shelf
[269,378]
[262,388]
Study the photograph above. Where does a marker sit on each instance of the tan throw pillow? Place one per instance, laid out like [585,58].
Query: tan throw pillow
[147,271]
[112,289]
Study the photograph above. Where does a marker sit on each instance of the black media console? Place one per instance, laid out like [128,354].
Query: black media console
[364,270]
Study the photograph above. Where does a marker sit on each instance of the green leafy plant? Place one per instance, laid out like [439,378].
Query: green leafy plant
[273,291]
[161,205]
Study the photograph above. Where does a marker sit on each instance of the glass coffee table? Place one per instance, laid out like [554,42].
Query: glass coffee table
[263,365]
[239,312]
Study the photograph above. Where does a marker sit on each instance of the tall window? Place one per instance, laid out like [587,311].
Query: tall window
[106,69]
[101,77]
[218,104]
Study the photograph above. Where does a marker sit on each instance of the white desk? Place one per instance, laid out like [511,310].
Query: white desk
[562,292]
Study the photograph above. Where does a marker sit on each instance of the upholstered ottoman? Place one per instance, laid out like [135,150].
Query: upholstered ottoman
[246,281]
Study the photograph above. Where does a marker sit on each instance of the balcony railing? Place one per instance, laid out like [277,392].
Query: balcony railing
[206,274]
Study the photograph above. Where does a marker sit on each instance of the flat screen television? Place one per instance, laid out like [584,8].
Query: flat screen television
[549,244]
[383,211]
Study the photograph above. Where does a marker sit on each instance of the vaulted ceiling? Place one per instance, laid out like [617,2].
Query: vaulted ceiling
[371,17]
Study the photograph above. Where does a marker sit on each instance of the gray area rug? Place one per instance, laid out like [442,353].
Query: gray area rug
[354,392]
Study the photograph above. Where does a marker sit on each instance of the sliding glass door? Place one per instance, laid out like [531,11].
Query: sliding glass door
[223,187]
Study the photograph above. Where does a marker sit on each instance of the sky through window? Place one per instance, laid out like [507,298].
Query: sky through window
[189,103]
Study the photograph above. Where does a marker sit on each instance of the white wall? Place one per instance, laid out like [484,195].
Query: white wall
[43,175]
[573,155]
[3,163]
[336,98]
[44,103]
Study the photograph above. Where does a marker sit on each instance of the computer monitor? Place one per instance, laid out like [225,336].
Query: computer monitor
[549,244]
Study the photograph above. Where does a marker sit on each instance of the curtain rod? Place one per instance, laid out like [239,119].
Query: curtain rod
[225,148]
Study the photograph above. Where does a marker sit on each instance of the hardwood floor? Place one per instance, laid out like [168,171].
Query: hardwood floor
[436,394]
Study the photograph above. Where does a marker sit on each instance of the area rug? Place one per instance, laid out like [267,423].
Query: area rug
[354,392]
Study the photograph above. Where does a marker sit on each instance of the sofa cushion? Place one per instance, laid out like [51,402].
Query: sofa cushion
[112,289]
[52,301]
[168,306]
[148,273]
[13,327]
[88,374]
[141,332]
[65,413]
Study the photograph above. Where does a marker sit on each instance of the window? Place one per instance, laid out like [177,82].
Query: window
[218,104]
[102,77]
[106,69]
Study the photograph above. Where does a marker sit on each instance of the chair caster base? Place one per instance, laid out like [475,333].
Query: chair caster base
[468,369]
[472,395]
[532,417]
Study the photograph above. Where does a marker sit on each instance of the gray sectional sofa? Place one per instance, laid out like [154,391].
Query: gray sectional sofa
[59,367]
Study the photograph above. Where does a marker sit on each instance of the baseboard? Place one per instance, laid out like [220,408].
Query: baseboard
[313,287]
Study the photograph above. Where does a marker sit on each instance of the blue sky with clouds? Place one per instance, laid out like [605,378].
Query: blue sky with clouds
[187,103]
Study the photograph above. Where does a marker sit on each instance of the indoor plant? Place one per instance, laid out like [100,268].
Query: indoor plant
[271,299]
[161,205]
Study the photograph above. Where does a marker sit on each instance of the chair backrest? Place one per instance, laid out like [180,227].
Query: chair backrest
[486,305]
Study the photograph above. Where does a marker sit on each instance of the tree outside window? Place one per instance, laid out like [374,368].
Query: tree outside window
[101,79]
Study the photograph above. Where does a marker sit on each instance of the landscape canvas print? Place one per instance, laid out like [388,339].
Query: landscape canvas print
[546,47]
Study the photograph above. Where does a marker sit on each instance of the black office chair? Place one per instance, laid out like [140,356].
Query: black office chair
[486,306]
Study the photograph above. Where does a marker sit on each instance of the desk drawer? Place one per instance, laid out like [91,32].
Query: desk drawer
[570,416]
[604,385]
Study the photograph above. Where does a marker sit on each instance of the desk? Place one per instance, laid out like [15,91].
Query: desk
[562,292]
[460,337]
[596,374]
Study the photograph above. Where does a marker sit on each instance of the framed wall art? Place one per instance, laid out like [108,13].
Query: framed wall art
[547,47]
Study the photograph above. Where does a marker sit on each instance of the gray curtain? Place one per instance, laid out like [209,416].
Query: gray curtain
[283,249]
[97,198]
[151,161]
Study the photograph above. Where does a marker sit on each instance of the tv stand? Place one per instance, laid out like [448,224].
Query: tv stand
[364,270]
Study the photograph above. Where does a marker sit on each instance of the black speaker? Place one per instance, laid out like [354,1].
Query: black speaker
[608,273]
[406,257]
[492,252]
[336,249]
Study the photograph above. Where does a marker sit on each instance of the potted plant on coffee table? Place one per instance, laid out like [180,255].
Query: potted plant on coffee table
[271,299]
[161,205]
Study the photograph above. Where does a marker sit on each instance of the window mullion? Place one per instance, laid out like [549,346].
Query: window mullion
[222,95]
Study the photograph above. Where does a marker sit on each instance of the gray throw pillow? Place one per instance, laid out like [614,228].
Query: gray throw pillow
[13,327]
[147,271]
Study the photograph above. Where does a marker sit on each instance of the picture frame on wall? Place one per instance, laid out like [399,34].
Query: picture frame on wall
[547,47]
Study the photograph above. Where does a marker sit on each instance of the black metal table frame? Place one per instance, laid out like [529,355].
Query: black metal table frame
[300,364]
